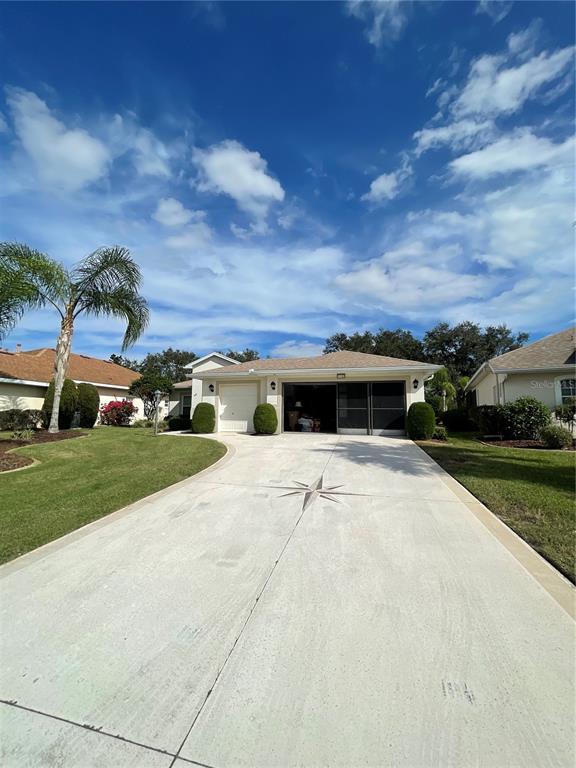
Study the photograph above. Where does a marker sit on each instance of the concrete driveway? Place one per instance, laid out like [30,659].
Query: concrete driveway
[311,601]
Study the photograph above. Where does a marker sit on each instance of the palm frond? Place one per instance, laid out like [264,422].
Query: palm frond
[105,270]
[121,302]
[28,280]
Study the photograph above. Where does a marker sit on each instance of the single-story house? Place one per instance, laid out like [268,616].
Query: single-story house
[25,375]
[545,369]
[341,392]
[187,394]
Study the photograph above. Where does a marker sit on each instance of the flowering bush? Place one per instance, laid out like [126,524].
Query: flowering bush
[117,413]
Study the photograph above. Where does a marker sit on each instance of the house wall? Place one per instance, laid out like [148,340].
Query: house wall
[30,397]
[485,393]
[274,396]
[541,386]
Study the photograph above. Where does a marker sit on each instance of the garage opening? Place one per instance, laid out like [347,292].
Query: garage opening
[310,408]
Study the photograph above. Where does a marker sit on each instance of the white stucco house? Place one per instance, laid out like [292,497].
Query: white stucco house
[545,369]
[25,375]
[341,392]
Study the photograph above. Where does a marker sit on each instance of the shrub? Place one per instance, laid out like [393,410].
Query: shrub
[22,434]
[204,419]
[88,405]
[488,419]
[457,420]
[265,419]
[14,419]
[117,413]
[556,437]
[178,423]
[420,421]
[440,433]
[566,414]
[523,419]
[143,423]
[68,404]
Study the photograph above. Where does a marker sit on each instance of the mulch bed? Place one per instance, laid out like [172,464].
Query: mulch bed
[536,444]
[15,461]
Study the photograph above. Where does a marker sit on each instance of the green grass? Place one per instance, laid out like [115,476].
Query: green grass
[532,491]
[82,479]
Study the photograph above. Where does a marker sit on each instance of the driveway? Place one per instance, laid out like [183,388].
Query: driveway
[312,600]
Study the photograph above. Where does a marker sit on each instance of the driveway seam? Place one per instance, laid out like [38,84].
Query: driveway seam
[245,624]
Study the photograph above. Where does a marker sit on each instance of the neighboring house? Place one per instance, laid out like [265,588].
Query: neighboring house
[187,394]
[24,378]
[545,369]
[343,392]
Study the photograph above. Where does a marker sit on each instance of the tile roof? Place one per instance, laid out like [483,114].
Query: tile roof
[38,365]
[552,351]
[334,360]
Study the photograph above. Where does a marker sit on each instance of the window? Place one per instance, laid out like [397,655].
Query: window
[186,405]
[567,391]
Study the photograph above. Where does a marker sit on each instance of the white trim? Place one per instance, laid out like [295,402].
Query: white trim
[557,388]
[46,383]
[219,374]
[199,360]
[487,368]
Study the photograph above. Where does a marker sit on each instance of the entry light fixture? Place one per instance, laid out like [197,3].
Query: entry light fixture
[415,383]
[211,387]
[273,386]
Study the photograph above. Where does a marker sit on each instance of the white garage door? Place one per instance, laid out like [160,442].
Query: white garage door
[237,404]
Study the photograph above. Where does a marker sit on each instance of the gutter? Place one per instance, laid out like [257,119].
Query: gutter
[218,374]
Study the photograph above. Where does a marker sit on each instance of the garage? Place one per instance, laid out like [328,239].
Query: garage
[237,404]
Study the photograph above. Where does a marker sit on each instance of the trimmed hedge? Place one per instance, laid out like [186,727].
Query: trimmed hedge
[488,419]
[68,404]
[15,419]
[88,405]
[265,419]
[457,420]
[440,433]
[177,423]
[556,437]
[524,418]
[420,421]
[204,419]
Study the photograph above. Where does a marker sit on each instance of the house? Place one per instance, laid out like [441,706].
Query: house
[545,369]
[343,392]
[187,394]
[25,375]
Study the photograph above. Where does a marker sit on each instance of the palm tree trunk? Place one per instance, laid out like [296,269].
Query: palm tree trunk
[63,348]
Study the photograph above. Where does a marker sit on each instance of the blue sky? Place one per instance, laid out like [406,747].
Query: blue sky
[285,171]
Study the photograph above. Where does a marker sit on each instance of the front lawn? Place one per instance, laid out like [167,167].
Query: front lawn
[85,478]
[532,491]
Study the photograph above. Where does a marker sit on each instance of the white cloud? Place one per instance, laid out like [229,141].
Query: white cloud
[496,9]
[149,155]
[384,20]
[194,236]
[520,151]
[458,135]
[387,186]
[3,124]
[231,169]
[295,348]
[66,158]
[171,213]
[494,89]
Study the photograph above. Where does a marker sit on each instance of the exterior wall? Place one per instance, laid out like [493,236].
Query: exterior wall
[266,394]
[21,396]
[539,385]
[485,390]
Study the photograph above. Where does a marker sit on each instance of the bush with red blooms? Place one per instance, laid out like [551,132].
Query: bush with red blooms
[117,413]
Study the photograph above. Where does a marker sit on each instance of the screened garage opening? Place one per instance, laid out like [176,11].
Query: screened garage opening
[310,408]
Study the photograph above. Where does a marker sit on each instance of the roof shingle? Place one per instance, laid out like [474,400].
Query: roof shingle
[552,351]
[38,365]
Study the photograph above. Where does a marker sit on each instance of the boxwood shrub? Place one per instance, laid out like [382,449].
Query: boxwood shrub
[177,423]
[420,421]
[265,419]
[68,404]
[88,405]
[15,419]
[204,419]
[488,419]
[556,437]
[524,418]
[457,420]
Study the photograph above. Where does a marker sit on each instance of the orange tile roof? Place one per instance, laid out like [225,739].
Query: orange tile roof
[38,365]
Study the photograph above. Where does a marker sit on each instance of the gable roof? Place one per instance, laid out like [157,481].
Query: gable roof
[38,365]
[202,359]
[333,361]
[552,353]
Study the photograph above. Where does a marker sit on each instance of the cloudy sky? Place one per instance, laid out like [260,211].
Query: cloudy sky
[285,171]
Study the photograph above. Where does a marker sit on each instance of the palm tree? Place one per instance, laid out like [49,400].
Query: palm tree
[104,283]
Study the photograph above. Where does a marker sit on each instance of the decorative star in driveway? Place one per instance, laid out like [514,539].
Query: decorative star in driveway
[315,490]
